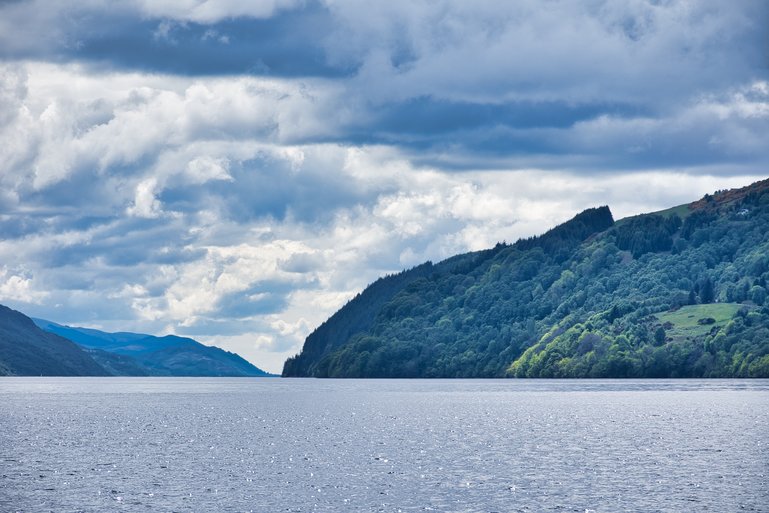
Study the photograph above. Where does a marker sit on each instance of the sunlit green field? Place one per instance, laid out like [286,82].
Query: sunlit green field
[685,319]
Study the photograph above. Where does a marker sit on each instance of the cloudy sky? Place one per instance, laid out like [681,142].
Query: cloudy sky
[235,171]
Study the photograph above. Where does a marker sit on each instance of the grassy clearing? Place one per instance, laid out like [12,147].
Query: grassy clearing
[681,211]
[685,320]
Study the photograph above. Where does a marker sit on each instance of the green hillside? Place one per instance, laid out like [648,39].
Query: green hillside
[678,293]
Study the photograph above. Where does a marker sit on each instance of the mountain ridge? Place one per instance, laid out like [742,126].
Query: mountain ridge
[26,350]
[127,353]
[36,347]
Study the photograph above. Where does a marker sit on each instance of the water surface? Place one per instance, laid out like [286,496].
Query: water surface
[175,444]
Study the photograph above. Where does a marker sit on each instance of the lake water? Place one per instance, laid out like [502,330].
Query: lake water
[270,445]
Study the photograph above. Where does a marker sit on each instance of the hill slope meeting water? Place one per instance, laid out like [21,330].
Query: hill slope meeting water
[676,293]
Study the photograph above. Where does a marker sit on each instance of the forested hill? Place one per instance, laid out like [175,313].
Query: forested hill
[360,313]
[677,293]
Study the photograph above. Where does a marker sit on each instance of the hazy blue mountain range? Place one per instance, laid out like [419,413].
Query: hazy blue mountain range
[42,348]
[676,293]
[137,354]
[26,350]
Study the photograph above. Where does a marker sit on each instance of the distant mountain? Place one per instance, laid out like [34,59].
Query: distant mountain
[26,350]
[677,293]
[136,354]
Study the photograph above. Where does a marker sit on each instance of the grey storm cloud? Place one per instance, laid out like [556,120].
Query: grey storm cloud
[238,170]
[464,82]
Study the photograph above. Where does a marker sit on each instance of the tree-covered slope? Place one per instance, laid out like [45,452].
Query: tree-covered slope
[26,350]
[136,354]
[676,293]
[355,317]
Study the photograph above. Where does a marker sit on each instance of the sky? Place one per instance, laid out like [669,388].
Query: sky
[235,171]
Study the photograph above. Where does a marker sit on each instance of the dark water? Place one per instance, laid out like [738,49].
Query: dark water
[95,444]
